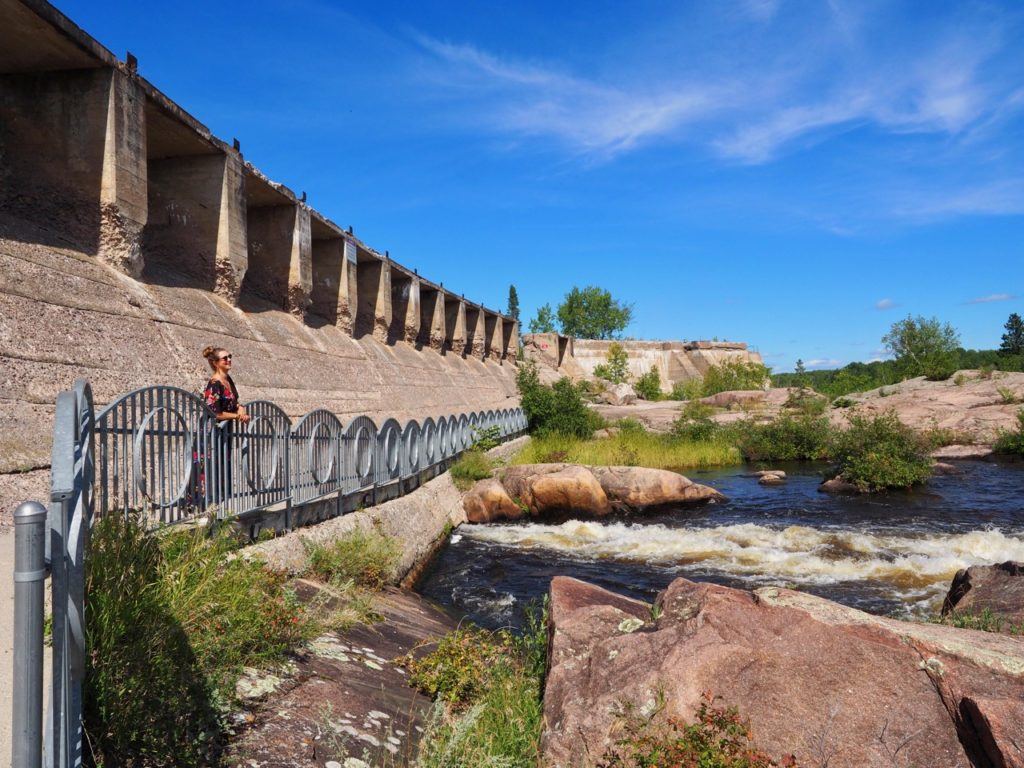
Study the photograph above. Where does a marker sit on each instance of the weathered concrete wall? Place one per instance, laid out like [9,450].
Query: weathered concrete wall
[131,237]
[675,361]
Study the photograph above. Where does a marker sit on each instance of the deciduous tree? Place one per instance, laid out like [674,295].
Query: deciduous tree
[923,346]
[592,313]
[544,322]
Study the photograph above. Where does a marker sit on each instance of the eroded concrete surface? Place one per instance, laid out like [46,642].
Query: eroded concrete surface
[343,701]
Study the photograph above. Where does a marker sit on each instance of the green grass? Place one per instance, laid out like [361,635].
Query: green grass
[471,466]
[365,558]
[986,621]
[170,625]
[630,447]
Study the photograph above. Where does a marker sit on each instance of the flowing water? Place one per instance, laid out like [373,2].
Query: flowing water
[891,553]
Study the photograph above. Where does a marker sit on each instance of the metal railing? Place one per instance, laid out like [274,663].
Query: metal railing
[159,449]
[160,452]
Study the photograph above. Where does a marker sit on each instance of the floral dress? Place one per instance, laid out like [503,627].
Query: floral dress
[219,398]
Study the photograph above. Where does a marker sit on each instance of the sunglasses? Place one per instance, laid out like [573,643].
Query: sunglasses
[225,357]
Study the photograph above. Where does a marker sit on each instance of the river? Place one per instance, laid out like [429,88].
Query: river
[893,553]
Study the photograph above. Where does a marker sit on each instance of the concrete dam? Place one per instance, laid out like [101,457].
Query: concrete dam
[131,237]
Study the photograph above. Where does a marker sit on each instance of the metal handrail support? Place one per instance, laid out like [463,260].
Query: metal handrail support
[29,587]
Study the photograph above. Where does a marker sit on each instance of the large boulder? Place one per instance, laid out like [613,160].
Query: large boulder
[618,394]
[634,488]
[829,684]
[488,500]
[537,489]
[542,488]
[996,589]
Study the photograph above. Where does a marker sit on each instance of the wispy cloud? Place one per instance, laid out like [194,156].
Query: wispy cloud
[751,109]
[884,304]
[822,362]
[533,100]
[992,297]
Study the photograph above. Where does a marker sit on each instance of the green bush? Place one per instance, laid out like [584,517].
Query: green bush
[734,374]
[694,424]
[556,409]
[648,386]
[367,558]
[719,738]
[688,390]
[485,438]
[787,438]
[1012,443]
[171,623]
[880,452]
[488,687]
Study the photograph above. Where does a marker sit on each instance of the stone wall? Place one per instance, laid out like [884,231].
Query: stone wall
[131,237]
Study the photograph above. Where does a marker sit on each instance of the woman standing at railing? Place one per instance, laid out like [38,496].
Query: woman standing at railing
[221,397]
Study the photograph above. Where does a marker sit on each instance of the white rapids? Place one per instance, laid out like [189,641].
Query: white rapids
[919,567]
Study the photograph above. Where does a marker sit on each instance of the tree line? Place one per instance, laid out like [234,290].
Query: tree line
[919,347]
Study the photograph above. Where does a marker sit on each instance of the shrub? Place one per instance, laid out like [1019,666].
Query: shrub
[459,669]
[171,623]
[367,558]
[493,682]
[648,386]
[1006,395]
[1012,443]
[843,402]
[959,380]
[688,390]
[807,402]
[471,466]
[880,452]
[787,438]
[986,372]
[616,370]
[735,374]
[719,738]
[694,423]
[485,438]
[559,408]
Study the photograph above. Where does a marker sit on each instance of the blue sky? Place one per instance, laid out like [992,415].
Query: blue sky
[798,175]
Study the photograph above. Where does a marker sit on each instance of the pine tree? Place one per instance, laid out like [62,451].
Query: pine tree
[513,303]
[800,374]
[1013,339]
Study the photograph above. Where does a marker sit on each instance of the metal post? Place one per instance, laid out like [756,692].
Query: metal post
[29,584]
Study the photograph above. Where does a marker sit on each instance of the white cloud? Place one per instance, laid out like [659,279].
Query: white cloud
[991,298]
[822,362]
[885,304]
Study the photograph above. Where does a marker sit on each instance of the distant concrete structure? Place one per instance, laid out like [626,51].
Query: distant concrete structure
[675,361]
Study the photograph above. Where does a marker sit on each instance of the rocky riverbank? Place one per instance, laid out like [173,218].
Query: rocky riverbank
[827,684]
[971,406]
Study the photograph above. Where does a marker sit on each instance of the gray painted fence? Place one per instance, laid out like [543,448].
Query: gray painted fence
[159,452]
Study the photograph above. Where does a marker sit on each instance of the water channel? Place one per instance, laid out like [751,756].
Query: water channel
[893,553]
